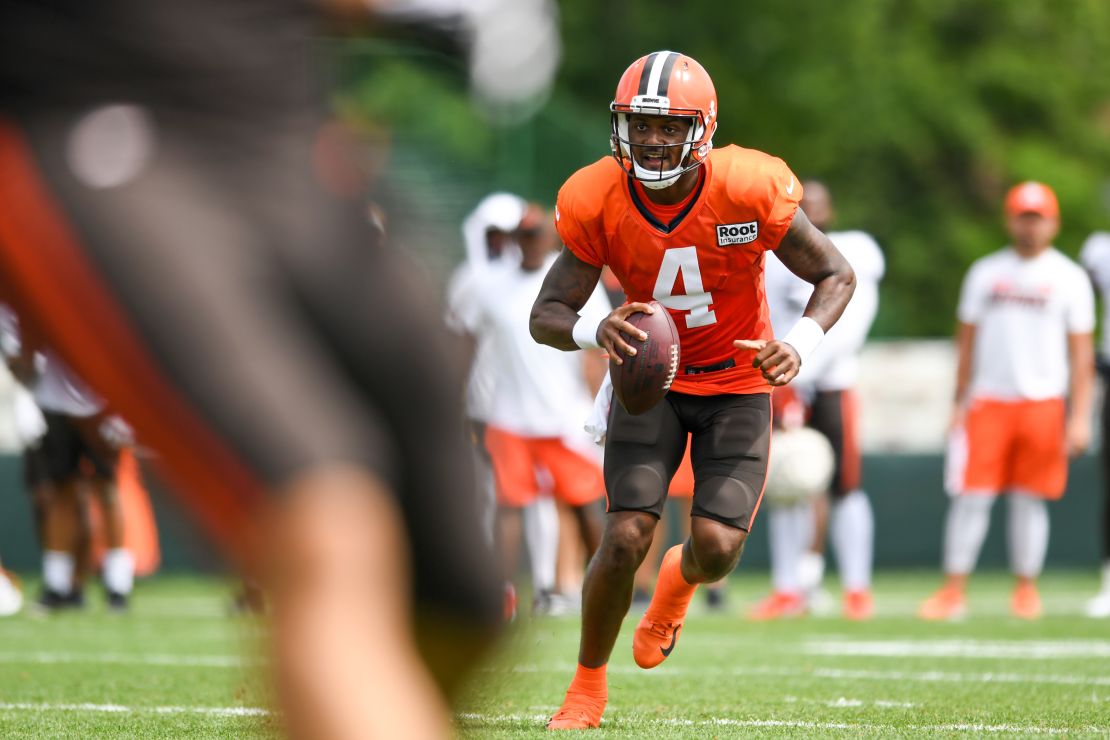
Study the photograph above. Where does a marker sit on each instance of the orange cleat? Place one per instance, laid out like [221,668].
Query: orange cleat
[579,712]
[946,605]
[779,605]
[1026,602]
[858,605]
[657,632]
[652,642]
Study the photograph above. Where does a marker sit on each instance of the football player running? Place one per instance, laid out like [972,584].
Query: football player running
[686,226]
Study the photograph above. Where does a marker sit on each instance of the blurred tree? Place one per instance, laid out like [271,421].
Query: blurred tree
[918,113]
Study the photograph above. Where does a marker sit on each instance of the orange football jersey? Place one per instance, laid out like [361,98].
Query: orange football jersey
[705,266]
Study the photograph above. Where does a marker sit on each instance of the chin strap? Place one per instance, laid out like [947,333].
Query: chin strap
[660,179]
[650,178]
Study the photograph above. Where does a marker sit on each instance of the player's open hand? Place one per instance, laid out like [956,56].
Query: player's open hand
[609,331]
[778,361]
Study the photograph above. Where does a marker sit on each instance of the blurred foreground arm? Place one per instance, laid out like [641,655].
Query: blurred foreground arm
[348,666]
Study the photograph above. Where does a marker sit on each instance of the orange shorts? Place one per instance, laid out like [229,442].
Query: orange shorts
[682,484]
[1011,445]
[575,479]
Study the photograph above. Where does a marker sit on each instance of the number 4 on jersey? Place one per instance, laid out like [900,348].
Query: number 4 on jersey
[696,300]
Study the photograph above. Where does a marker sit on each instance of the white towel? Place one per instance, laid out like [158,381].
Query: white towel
[597,423]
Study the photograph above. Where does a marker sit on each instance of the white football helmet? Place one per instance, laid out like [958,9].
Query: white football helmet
[802,464]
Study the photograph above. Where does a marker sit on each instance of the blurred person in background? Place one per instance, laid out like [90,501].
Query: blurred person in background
[78,447]
[826,391]
[539,398]
[488,234]
[691,237]
[163,225]
[80,450]
[1024,376]
[1095,257]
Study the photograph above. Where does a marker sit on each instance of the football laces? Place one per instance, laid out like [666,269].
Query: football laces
[672,371]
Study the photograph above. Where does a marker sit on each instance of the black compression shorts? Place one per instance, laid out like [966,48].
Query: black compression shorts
[56,458]
[836,415]
[730,438]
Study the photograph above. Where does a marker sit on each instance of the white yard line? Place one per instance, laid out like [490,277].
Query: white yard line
[845,702]
[205,661]
[120,709]
[842,673]
[952,677]
[1021,650]
[960,646]
[869,727]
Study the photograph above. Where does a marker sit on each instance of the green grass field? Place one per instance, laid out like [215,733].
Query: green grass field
[179,666]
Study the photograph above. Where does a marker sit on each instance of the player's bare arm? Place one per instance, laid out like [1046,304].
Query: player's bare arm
[809,254]
[1081,364]
[567,287]
[965,345]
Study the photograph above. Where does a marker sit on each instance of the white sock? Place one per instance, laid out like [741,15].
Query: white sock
[790,533]
[969,516]
[1027,532]
[541,535]
[853,532]
[811,571]
[57,571]
[119,571]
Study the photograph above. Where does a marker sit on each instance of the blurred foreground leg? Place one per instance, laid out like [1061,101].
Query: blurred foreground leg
[348,666]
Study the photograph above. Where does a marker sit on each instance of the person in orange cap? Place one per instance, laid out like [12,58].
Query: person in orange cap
[1026,317]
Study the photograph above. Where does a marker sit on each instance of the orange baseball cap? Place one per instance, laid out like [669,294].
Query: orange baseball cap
[1032,197]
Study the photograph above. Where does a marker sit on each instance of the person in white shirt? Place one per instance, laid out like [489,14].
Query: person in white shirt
[1023,397]
[824,395]
[489,236]
[488,239]
[75,428]
[540,397]
[1095,257]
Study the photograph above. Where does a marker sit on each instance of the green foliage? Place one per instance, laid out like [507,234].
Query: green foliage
[918,113]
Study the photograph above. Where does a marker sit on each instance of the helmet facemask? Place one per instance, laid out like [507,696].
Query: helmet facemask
[695,148]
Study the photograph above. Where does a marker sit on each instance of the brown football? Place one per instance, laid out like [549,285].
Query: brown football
[643,379]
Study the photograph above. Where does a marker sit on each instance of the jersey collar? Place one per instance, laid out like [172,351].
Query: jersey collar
[674,223]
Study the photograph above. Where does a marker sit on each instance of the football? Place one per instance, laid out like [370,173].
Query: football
[643,379]
[802,464]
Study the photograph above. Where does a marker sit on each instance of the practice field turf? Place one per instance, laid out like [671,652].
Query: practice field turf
[179,666]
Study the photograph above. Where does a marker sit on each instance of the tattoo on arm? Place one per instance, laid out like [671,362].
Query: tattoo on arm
[809,254]
[567,287]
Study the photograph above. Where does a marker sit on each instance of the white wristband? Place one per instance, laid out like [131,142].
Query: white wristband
[804,337]
[584,333]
